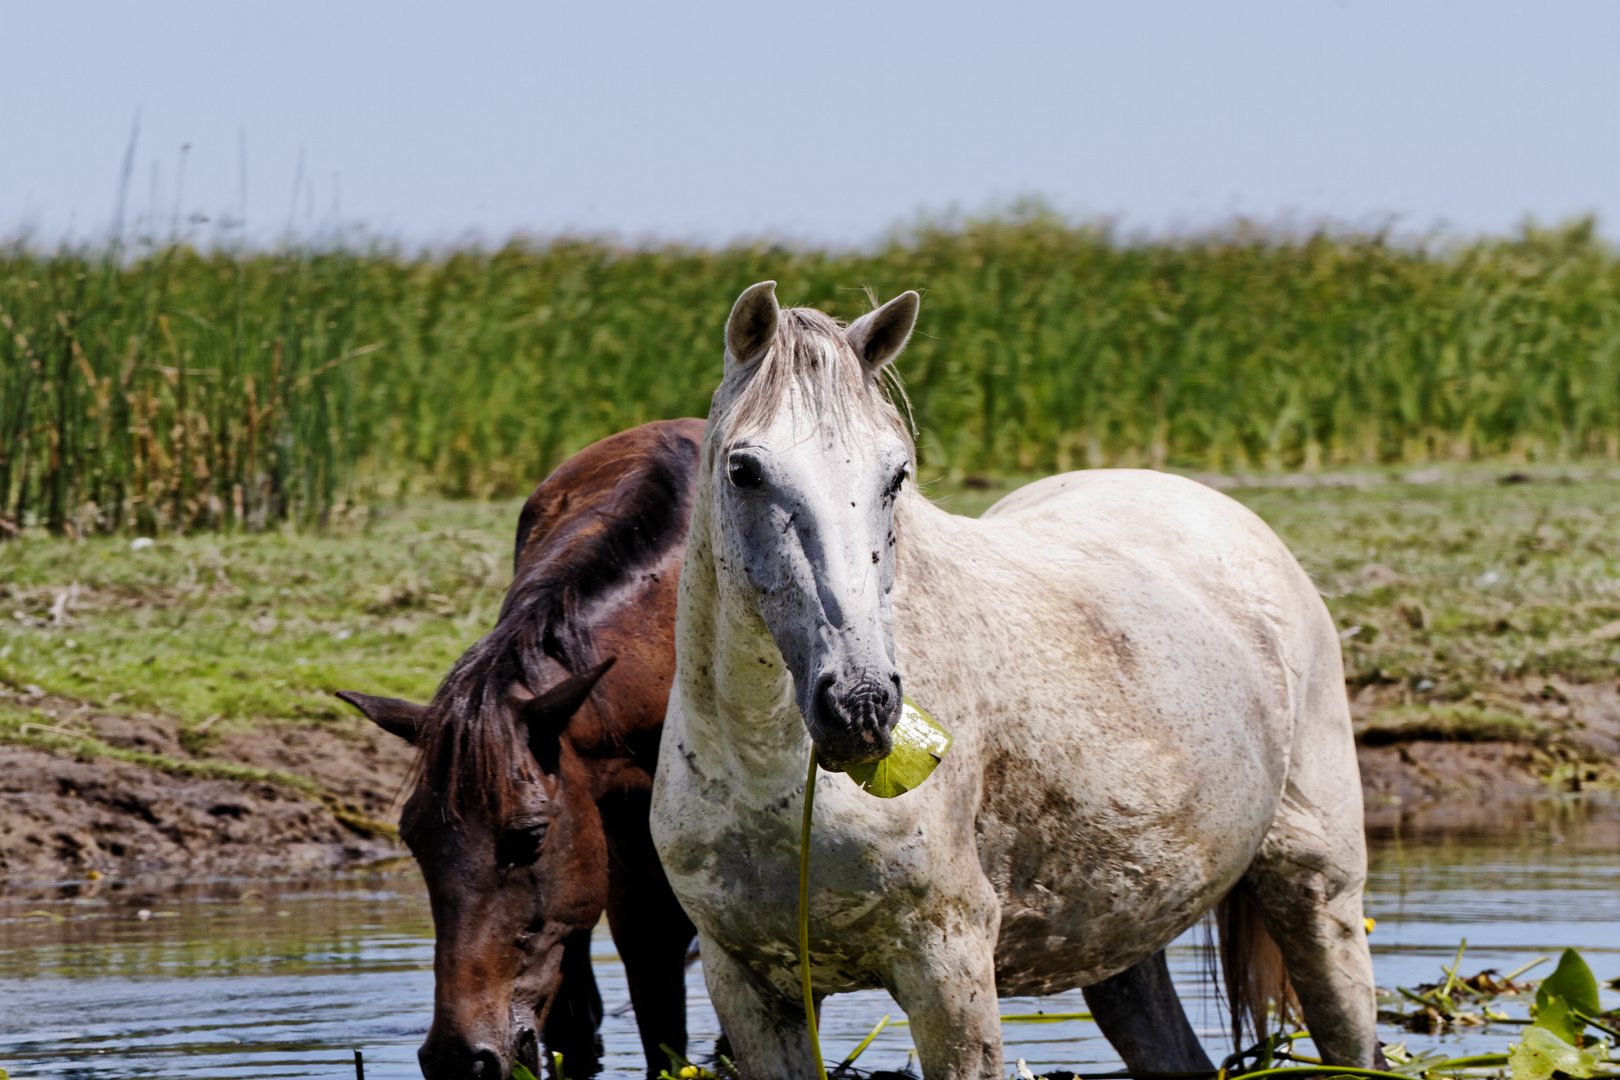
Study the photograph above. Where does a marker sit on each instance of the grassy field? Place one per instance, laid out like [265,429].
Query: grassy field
[257,628]
[1468,608]
[157,390]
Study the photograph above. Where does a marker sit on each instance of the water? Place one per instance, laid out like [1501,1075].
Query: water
[284,978]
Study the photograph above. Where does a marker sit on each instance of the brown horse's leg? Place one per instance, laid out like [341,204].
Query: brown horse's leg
[574,1023]
[1140,1014]
[651,931]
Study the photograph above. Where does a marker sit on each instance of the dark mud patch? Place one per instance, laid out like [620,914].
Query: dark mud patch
[237,801]
[1452,763]
[61,818]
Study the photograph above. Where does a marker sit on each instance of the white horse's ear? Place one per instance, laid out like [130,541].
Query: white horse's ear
[878,336]
[752,325]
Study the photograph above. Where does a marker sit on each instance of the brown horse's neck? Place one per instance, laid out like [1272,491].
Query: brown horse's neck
[598,558]
[617,732]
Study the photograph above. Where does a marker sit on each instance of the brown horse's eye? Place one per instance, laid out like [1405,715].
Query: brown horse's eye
[520,845]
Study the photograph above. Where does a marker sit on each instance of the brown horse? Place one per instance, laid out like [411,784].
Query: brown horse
[534,773]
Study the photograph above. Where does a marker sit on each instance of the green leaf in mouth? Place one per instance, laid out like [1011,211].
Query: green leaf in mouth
[919,744]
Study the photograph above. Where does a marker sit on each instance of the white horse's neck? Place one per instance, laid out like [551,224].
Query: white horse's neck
[929,541]
[741,725]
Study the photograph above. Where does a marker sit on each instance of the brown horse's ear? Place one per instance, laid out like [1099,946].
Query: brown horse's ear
[548,714]
[391,714]
[552,709]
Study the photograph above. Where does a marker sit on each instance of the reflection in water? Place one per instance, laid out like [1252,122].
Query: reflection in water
[283,978]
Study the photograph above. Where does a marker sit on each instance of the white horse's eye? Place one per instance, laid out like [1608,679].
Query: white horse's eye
[899,479]
[745,474]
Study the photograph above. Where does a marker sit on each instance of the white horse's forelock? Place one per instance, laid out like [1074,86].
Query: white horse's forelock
[809,351]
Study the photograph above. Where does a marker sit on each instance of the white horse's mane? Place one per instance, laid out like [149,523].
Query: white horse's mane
[809,350]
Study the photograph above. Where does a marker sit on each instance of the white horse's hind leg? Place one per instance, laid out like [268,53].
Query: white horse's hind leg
[769,1038]
[1309,876]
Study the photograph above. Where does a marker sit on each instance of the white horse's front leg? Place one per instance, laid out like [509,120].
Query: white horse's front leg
[768,1036]
[947,986]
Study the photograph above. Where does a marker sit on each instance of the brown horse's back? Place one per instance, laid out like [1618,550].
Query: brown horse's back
[587,493]
[613,519]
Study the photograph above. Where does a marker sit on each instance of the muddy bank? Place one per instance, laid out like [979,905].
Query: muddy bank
[291,799]
[1451,767]
[331,794]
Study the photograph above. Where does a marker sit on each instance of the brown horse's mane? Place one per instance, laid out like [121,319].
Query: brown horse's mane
[607,513]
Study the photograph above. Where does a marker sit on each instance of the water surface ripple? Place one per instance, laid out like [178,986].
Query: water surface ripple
[285,978]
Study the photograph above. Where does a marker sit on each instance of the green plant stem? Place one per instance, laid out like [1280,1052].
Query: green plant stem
[1451,975]
[1605,1028]
[804,916]
[1480,1061]
[1323,1070]
[855,1053]
[1426,1002]
[1474,1061]
[1516,972]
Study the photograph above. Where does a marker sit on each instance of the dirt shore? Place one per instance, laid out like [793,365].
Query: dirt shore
[266,801]
[303,799]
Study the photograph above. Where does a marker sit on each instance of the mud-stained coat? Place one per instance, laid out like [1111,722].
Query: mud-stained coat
[1148,705]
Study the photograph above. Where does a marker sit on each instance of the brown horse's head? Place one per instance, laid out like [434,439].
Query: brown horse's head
[504,825]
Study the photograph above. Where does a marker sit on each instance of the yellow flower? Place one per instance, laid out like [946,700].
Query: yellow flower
[1370,924]
[688,1072]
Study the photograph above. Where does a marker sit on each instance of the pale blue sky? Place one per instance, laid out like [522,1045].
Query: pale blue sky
[815,122]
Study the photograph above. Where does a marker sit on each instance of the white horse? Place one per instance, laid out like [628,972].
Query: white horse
[1145,691]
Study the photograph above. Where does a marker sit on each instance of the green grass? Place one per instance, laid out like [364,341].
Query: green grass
[1478,605]
[176,390]
[1462,585]
[256,627]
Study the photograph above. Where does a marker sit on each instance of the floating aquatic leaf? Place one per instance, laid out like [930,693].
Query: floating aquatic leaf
[919,744]
[521,1071]
[1574,983]
[1553,1014]
[1409,1064]
[1541,1053]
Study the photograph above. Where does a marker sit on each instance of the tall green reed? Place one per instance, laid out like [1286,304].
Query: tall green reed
[181,389]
